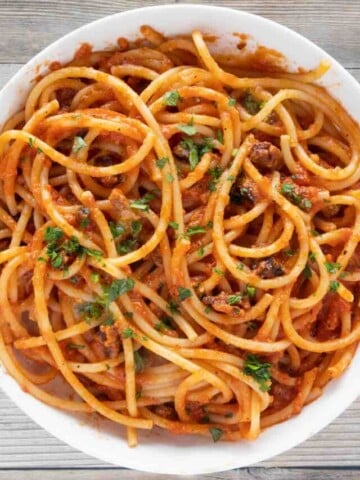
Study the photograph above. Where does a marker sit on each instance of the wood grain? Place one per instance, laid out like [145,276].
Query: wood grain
[244,474]
[25,445]
[26,450]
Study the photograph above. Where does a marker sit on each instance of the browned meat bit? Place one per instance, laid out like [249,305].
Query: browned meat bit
[282,394]
[108,161]
[269,268]
[197,195]
[197,412]
[244,191]
[331,211]
[265,155]
[166,411]
[232,304]
[111,339]
[329,318]
[121,206]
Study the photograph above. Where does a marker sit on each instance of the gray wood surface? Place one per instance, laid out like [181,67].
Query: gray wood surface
[27,451]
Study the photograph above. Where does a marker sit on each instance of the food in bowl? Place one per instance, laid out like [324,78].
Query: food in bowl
[179,238]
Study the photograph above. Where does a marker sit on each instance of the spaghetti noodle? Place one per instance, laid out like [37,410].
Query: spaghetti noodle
[179,239]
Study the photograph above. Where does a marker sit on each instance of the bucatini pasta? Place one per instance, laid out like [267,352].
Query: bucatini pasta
[179,239]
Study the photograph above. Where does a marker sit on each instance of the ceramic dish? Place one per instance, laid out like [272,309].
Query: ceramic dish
[160,452]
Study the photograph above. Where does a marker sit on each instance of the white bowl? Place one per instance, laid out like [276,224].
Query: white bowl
[160,452]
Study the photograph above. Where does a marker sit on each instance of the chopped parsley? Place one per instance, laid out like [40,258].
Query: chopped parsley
[196,149]
[334,286]
[75,346]
[218,271]
[184,293]
[57,251]
[128,333]
[78,144]
[136,227]
[142,203]
[288,190]
[188,129]
[172,98]
[215,174]
[259,370]
[116,229]
[139,362]
[169,178]
[234,299]
[174,225]
[250,291]
[307,272]
[332,267]
[216,433]
[289,252]
[161,162]
[201,251]
[232,102]
[173,306]
[252,105]
[195,230]
[100,306]
[164,324]
[220,136]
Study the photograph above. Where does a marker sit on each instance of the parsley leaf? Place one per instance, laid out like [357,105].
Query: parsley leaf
[78,144]
[251,104]
[232,102]
[172,98]
[334,285]
[116,229]
[142,203]
[259,370]
[234,299]
[161,162]
[332,267]
[128,333]
[184,293]
[188,129]
[195,230]
[139,362]
[216,433]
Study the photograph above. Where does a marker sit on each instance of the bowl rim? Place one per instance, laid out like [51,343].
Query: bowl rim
[29,405]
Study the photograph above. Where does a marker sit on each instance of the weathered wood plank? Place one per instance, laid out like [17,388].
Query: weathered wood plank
[25,445]
[244,474]
[332,24]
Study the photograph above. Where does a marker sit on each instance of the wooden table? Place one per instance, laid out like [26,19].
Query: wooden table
[27,451]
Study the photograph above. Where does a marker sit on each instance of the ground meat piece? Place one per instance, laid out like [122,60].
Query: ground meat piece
[269,268]
[220,303]
[265,155]
[196,411]
[328,321]
[196,195]
[107,161]
[121,206]
[330,211]
[282,394]
[244,190]
[166,411]
[111,339]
